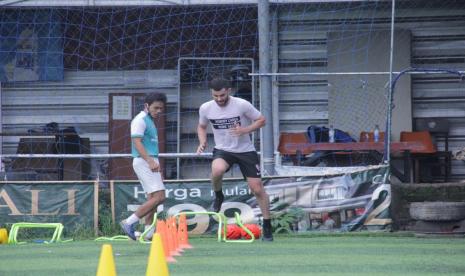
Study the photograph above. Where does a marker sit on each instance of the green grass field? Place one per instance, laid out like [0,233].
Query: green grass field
[337,254]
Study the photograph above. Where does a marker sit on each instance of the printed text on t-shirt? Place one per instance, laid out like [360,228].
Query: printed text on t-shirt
[226,123]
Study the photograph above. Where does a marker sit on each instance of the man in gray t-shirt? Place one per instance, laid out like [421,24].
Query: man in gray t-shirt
[232,120]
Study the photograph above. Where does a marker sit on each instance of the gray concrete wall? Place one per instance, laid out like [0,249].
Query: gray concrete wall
[358,102]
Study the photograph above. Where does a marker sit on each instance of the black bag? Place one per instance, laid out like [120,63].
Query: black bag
[317,134]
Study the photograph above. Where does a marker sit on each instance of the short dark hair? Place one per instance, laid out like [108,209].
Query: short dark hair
[218,84]
[155,97]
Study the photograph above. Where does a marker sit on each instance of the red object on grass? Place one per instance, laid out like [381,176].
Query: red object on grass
[233,232]
[255,229]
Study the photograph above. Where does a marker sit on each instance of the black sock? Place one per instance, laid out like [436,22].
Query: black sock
[219,194]
[267,223]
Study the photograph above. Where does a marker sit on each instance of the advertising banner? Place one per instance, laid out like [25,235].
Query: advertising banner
[74,204]
[346,202]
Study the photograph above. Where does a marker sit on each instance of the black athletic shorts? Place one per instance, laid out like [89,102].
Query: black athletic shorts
[248,161]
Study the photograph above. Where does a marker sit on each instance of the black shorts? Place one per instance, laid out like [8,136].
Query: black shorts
[248,161]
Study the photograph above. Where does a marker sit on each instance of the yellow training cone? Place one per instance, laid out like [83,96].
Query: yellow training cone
[157,262]
[106,264]
[3,236]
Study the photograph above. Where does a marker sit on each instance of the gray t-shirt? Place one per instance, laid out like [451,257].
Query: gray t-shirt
[237,111]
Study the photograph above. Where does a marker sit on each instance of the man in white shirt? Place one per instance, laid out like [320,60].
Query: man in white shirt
[144,140]
[232,120]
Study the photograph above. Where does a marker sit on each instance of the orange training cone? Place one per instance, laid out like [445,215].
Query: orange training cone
[106,264]
[172,238]
[161,229]
[169,237]
[175,235]
[157,264]
[183,236]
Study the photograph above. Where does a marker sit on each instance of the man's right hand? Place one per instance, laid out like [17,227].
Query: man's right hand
[201,148]
[153,165]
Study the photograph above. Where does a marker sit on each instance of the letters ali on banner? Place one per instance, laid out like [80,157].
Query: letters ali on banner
[344,202]
[72,204]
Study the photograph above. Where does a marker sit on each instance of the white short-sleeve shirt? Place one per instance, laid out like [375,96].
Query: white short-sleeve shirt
[222,118]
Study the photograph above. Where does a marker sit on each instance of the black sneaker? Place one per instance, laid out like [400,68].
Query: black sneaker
[267,234]
[216,205]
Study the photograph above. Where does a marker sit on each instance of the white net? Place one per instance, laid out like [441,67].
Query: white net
[74,77]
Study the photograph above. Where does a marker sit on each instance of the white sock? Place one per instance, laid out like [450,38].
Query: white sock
[132,219]
[150,233]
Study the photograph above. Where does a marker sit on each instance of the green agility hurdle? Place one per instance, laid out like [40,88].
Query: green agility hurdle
[222,225]
[221,234]
[13,238]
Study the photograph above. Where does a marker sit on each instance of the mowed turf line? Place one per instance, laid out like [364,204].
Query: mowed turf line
[288,255]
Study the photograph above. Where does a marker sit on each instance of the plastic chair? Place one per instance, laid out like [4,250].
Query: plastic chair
[428,158]
[419,136]
[294,145]
[439,130]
